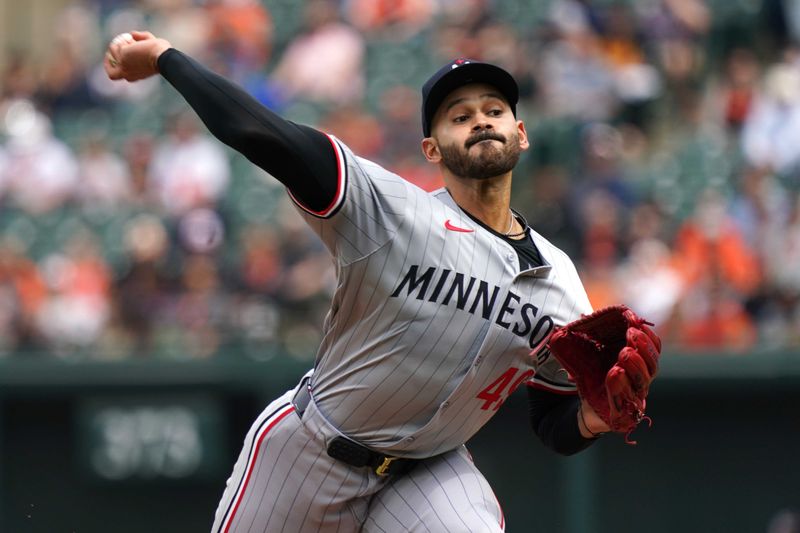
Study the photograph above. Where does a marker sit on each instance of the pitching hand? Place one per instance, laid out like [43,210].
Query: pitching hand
[133,56]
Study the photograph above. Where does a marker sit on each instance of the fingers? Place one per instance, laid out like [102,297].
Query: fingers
[112,66]
[133,56]
[618,388]
[642,324]
[653,336]
[643,343]
[625,407]
[116,44]
[141,35]
[636,371]
[111,59]
[122,38]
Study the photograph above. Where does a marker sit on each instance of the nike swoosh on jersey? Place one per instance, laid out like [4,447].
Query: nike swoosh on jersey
[451,227]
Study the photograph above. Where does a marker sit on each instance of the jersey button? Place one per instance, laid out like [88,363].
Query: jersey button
[445,405]
[409,439]
[478,360]
[511,256]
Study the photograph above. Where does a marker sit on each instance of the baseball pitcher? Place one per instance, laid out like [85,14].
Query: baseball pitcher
[445,304]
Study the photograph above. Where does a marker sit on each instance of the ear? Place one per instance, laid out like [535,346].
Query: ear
[430,149]
[524,143]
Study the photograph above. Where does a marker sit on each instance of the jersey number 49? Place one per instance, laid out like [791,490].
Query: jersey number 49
[501,388]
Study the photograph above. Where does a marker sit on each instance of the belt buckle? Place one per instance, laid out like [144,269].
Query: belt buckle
[383,469]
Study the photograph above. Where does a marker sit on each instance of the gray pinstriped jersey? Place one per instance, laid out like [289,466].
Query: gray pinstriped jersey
[432,324]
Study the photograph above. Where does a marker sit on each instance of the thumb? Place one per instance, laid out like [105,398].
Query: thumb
[142,35]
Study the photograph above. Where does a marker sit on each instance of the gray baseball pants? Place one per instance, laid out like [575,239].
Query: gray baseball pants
[284,481]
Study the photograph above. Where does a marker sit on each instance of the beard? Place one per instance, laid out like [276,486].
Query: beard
[489,162]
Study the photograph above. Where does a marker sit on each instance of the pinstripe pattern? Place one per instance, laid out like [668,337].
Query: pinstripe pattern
[446,493]
[284,481]
[270,420]
[416,328]
[429,330]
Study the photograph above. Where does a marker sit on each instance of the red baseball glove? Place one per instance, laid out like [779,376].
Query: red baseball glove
[612,356]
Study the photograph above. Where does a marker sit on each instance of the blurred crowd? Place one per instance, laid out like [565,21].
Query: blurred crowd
[666,162]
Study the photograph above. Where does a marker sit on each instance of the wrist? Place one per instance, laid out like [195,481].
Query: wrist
[584,428]
[156,52]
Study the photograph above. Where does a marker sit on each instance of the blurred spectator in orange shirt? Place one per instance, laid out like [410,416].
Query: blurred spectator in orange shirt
[79,305]
[713,318]
[709,244]
[22,294]
[720,272]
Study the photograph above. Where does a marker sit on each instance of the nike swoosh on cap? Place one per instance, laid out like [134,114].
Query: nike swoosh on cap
[451,227]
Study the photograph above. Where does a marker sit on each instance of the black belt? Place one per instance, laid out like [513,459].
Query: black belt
[351,452]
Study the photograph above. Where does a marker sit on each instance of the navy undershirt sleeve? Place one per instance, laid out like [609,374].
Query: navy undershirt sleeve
[554,418]
[300,157]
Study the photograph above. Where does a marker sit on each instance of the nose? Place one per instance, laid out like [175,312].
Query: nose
[482,123]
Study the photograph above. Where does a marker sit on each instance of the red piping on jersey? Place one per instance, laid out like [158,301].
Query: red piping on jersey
[502,516]
[339,182]
[229,520]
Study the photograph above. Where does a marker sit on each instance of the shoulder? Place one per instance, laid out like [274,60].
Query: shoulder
[361,168]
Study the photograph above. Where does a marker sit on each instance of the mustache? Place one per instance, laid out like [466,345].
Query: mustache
[484,135]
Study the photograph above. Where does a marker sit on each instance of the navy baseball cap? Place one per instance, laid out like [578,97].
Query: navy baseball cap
[461,72]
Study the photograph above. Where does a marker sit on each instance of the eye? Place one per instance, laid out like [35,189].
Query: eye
[460,118]
[495,112]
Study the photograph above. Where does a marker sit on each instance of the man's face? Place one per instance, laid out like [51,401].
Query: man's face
[476,133]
